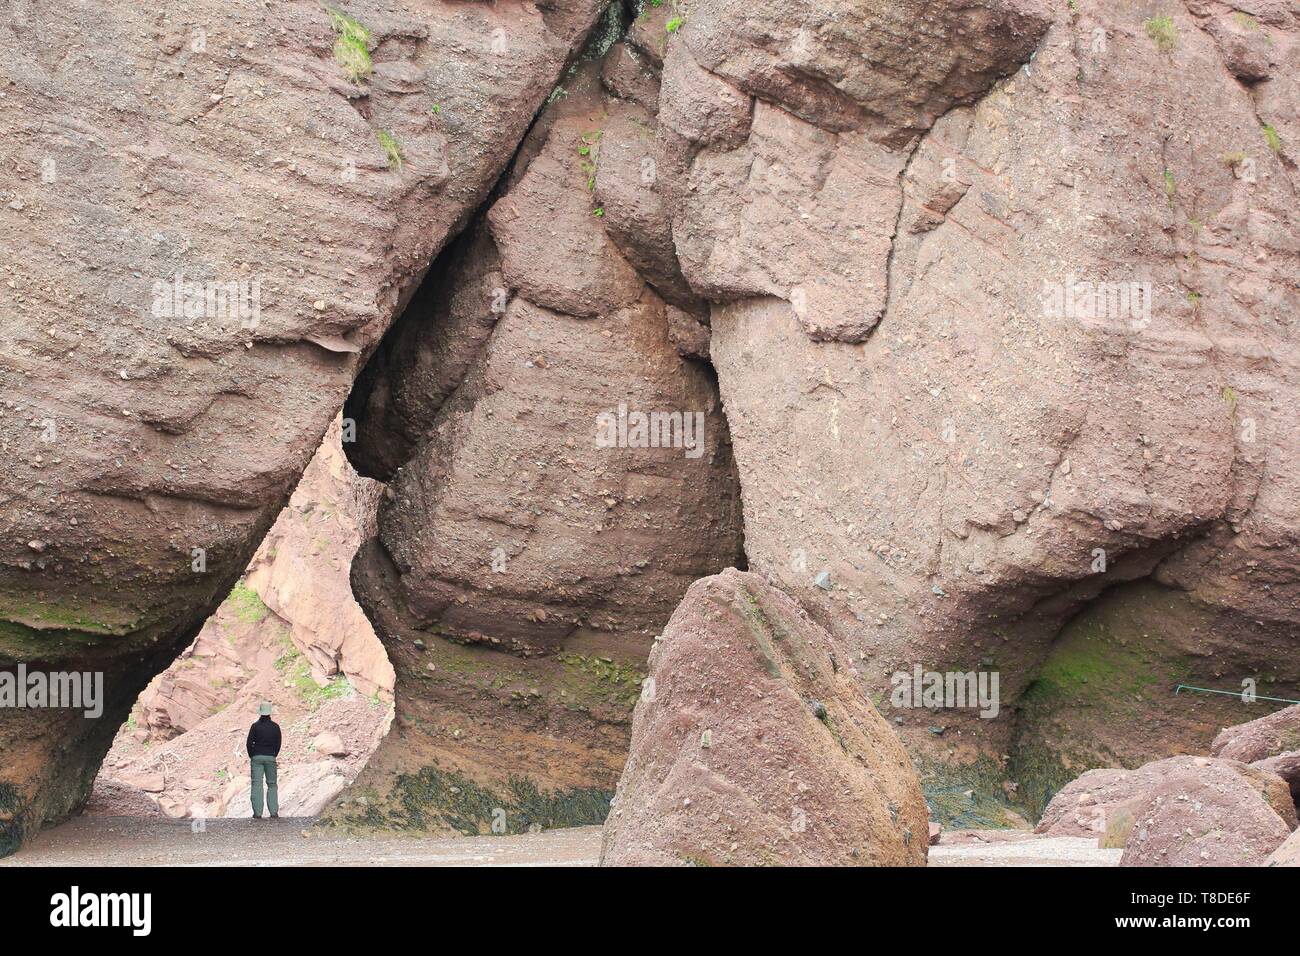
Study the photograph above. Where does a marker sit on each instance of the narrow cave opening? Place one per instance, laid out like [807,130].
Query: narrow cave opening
[524,567]
[290,633]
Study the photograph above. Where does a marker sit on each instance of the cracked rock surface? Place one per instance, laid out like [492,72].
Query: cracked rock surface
[523,564]
[986,468]
[148,448]
[986,312]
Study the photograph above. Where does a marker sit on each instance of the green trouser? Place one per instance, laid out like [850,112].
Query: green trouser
[264,765]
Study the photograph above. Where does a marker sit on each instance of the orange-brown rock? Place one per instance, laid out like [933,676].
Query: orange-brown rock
[753,743]
[1205,813]
[534,538]
[292,172]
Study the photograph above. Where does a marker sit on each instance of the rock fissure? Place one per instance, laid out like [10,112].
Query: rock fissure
[701,310]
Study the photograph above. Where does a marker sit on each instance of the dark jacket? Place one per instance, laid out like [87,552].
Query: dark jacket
[264,738]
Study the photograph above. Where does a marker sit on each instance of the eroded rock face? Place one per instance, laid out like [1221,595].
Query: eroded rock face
[879,221]
[800,124]
[996,458]
[304,168]
[533,541]
[754,745]
[183,746]
[291,633]
[302,570]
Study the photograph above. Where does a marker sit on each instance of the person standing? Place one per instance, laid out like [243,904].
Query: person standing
[263,748]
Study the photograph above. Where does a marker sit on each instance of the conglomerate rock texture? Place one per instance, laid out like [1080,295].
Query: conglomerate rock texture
[753,746]
[292,171]
[988,308]
[1096,502]
[1208,813]
[1087,806]
[1265,737]
[525,558]
[289,633]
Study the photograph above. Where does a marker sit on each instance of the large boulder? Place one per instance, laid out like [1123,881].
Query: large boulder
[1087,805]
[1204,812]
[1083,806]
[753,743]
[1286,766]
[1267,736]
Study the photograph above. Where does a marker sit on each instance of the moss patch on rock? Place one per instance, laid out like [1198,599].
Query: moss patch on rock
[1105,694]
[246,604]
[30,627]
[602,678]
[435,800]
[968,795]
